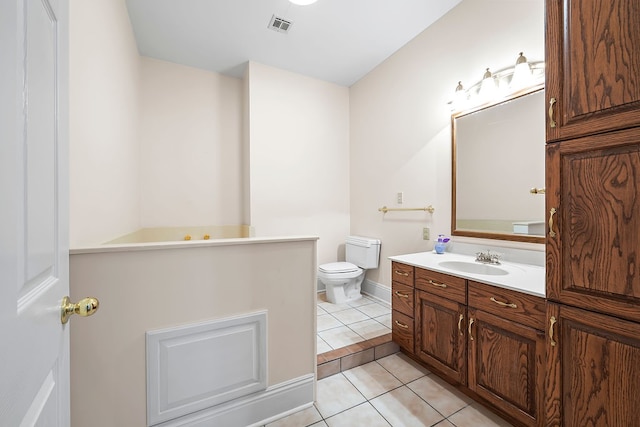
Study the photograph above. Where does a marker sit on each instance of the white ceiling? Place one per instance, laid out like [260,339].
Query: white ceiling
[338,41]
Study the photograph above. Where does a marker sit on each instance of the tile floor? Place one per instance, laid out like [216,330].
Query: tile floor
[392,391]
[340,325]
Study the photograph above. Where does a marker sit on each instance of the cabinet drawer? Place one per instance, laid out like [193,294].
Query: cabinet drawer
[402,298]
[508,304]
[402,330]
[453,288]
[402,273]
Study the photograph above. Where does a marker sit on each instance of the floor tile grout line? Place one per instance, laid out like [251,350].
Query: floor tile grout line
[402,384]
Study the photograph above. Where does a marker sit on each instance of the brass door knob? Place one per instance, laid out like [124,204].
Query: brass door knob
[85,307]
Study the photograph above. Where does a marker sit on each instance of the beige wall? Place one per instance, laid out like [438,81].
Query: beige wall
[299,157]
[142,290]
[400,122]
[103,110]
[178,146]
[288,153]
[190,141]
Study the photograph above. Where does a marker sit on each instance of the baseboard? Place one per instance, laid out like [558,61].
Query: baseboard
[377,291]
[255,410]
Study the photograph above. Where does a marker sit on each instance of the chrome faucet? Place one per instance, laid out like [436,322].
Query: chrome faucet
[488,258]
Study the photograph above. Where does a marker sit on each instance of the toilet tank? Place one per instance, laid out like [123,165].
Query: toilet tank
[362,251]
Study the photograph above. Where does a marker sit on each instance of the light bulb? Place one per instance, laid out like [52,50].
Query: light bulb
[460,99]
[488,87]
[522,75]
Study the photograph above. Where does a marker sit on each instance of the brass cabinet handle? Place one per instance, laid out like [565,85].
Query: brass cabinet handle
[460,324]
[402,325]
[470,324]
[552,122]
[85,307]
[440,285]
[552,212]
[401,273]
[401,295]
[552,323]
[536,190]
[503,304]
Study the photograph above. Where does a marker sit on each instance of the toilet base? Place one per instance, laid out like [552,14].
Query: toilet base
[343,294]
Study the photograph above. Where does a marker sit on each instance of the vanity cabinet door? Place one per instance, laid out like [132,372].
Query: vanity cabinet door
[593,367]
[593,234]
[506,361]
[440,337]
[592,66]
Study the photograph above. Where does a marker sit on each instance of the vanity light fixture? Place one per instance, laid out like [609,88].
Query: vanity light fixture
[303,2]
[500,84]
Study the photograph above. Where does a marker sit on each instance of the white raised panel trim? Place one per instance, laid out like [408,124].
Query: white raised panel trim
[256,410]
[198,366]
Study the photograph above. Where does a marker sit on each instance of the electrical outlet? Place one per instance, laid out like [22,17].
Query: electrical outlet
[400,197]
[426,233]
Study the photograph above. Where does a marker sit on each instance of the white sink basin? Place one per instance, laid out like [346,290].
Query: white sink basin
[473,268]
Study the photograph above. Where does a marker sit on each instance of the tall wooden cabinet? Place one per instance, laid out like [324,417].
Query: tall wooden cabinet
[593,207]
[592,66]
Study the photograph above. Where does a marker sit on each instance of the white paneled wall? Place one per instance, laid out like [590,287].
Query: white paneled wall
[151,287]
[198,366]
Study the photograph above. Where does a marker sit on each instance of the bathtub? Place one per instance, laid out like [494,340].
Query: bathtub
[171,234]
[164,287]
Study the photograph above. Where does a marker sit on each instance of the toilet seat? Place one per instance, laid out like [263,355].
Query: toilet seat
[338,267]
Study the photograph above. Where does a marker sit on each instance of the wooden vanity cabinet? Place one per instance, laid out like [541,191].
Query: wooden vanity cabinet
[592,66]
[402,303]
[506,351]
[486,338]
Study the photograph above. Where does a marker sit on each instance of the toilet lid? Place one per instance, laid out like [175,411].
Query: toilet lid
[338,267]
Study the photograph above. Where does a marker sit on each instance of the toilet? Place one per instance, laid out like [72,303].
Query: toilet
[343,280]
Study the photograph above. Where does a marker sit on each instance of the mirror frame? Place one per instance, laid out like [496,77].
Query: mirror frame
[486,234]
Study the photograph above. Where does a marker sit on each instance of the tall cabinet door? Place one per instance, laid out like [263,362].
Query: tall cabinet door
[593,240]
[593,66]
[593,366]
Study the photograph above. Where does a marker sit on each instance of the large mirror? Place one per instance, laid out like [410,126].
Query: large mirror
[498,170]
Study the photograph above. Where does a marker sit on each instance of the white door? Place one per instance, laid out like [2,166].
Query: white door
[34,273]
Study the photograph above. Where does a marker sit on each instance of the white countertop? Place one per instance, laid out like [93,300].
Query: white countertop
[526,278]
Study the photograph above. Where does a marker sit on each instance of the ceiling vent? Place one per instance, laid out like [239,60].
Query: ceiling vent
[280,25]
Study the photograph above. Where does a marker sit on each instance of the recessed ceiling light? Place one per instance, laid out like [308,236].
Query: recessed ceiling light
[303,2]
